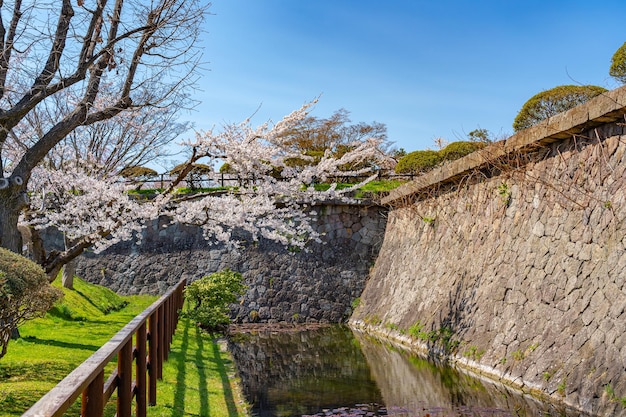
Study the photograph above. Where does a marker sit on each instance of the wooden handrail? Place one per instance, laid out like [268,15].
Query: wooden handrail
[152,343]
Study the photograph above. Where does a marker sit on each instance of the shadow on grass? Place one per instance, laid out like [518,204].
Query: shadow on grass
[113,307]
[65,345]
[202,383]
[179,395]
[42,371]
[228,391]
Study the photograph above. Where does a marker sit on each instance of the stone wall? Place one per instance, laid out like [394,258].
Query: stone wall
[318,285]
[515,266]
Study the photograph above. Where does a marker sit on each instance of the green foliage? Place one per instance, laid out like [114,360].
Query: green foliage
[457,150]
[518,355]
[610,392]
[355,303]
[415,330]
[618,64]
[505,194]
[194,176]
[197,169]
[392,326]
[137,172]
[551,102]
[209,296]
[374,320]
[561,387]
[473,352]
[25,293]
[479,135]
[442,337]
[227,168]
[398,153]
[429,220]
[309,158]
[418,162]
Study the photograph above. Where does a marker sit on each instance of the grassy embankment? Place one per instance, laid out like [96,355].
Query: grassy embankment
[197,377]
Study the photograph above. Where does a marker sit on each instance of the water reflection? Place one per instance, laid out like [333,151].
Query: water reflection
[331,371]
[291,373]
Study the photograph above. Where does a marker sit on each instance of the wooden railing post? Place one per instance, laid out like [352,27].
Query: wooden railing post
[161,342]
[153,358]
[92,400]
[166,328]
[140,371]
[125,380]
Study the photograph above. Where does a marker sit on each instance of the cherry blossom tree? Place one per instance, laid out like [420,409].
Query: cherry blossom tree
[105,57]
[97,211]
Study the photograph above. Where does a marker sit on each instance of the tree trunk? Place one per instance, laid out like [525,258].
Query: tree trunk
[11,204]
[69,270]
[15,333]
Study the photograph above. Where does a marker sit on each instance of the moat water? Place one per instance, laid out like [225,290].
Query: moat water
[334,371]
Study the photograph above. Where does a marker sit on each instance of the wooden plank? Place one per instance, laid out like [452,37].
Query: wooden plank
[125,380]
[110,386]
[152,358]
[93,398]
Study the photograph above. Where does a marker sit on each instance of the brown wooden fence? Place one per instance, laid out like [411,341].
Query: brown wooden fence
[152,330]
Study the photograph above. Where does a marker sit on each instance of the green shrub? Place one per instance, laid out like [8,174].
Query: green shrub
[618,64]
[457,150]
[310,157]
[208,298]
[227,168]
[418,162]
[137,172]
[25,293]
[551,102]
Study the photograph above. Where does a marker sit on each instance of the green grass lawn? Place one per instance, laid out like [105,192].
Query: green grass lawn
[197,378]
[371,187]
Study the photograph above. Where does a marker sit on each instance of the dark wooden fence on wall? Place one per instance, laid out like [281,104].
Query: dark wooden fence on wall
[151,332]
[161,181]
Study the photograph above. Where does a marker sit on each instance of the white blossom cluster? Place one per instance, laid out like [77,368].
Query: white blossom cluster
[99,209]
[86,207]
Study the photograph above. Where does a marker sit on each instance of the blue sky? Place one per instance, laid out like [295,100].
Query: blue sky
[426,69]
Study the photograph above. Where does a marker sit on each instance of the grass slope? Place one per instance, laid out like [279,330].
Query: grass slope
[52,346]
[86,318]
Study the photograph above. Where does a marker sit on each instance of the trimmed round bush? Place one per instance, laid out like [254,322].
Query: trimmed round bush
[25,293]
[618,64]
[456,150]
[198,169]
[208,298]
[227,168]
[551,102]
[417,162]
[138,172]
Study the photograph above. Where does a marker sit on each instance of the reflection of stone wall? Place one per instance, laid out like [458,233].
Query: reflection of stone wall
[412,383]
[308,286]
[525,267]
